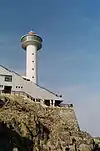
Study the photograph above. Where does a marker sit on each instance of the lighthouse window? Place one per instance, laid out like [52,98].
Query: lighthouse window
[33,61]
[37,38]
[33,77]
[32,53]
[32,68]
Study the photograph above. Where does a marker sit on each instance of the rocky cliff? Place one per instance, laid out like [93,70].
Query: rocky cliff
[28,126]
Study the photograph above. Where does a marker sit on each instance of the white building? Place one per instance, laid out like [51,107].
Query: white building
[11,82]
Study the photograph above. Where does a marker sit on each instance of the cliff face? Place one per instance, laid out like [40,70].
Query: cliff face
[28,126]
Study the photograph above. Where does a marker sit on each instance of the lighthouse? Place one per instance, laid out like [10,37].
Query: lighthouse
[31,43]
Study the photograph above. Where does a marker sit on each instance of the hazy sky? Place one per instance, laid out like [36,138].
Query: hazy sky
[69,62]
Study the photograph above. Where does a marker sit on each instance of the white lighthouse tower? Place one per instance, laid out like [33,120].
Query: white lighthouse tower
[31,42]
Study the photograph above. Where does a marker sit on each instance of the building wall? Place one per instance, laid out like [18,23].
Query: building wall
[16,79]
[19,84]
[4,72]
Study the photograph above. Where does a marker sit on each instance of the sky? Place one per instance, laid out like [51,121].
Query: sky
[69,61]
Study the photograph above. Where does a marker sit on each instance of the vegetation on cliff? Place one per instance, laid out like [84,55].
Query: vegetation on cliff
[28,126]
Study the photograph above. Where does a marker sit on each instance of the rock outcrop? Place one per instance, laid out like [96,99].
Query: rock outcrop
[28,126]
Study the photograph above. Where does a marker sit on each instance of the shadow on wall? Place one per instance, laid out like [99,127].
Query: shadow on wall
[12,141]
